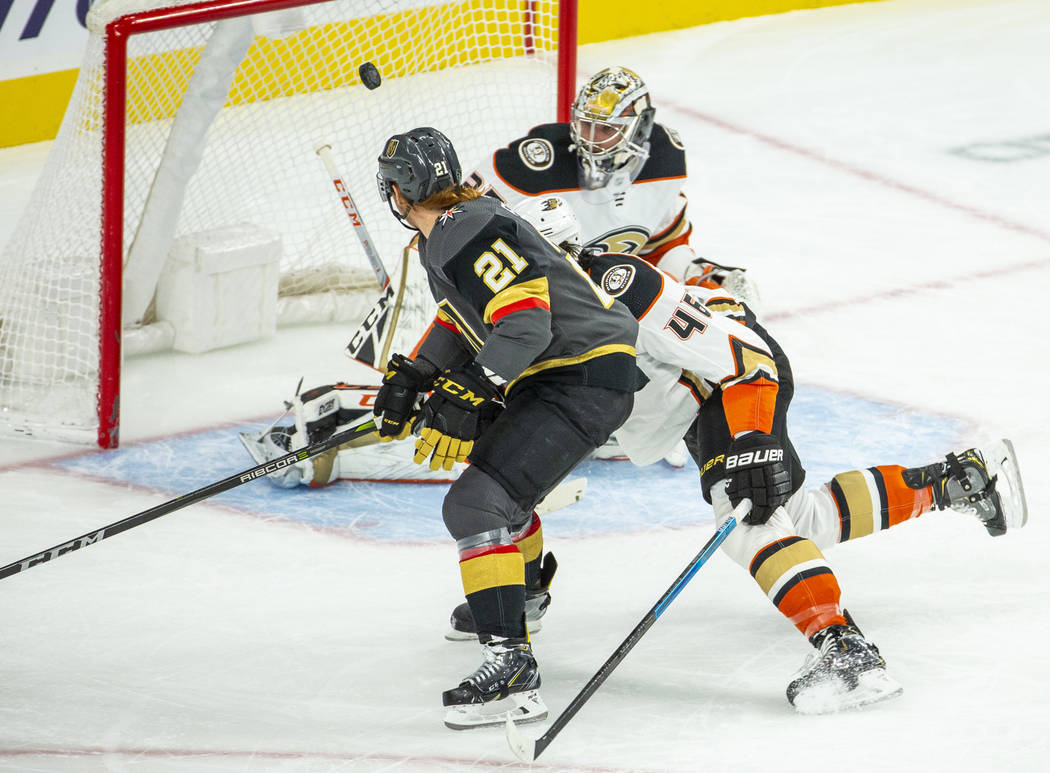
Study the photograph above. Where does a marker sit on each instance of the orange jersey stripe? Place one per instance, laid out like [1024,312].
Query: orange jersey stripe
[902,502]
[750,406]
[655,254]
[811,602]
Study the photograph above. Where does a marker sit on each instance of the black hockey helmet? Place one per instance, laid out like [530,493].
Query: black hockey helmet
[421,161]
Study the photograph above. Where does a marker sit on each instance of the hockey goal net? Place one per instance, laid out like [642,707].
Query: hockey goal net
[198,121]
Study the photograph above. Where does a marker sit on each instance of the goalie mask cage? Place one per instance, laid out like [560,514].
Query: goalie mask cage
[189,117]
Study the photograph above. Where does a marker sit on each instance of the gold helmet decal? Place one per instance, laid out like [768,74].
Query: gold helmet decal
[611,121]
[391,148]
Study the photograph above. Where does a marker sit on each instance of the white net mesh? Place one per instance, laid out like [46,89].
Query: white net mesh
[482,71]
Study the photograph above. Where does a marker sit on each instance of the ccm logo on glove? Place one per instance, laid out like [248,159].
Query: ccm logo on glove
[763,456]
[461,392]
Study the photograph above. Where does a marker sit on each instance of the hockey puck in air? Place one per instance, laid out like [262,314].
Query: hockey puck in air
[369,76]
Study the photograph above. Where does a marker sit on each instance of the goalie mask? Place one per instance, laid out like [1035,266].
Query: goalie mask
[421,162]
[554,219]
[611,122]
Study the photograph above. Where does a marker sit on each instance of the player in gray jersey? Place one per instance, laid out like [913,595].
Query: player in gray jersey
[531,368]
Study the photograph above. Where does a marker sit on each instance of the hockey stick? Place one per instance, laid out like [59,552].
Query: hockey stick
[287,407]
[527,749]
[396,314]
[188,499]
[324,150]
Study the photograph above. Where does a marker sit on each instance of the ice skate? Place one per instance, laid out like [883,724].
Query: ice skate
[462,627]
[505,686]
[845,672]
[986,485]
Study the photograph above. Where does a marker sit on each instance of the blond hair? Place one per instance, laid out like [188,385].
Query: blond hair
[449,197]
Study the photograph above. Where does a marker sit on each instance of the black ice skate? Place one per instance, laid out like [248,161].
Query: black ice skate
[462,627]
[845,672]
[986,485]
[505,685]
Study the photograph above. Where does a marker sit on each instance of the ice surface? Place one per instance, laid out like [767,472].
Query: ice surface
[878,168]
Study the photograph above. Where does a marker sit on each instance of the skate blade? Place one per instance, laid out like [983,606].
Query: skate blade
[834,696]
[455,635]
[519,708]
[1003,460]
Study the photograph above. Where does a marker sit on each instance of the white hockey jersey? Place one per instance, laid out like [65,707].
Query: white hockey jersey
[691,341]
[646,217]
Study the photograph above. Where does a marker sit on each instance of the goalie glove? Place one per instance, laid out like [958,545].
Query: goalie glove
[396,400]
[732,279]
[758,471]
[461,407]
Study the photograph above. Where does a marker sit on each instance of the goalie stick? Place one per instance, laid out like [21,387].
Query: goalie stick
[180,502]
[527,749]
[365,343]
[324,151]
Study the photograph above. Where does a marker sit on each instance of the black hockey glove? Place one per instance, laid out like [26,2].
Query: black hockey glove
[461,407]
[405,379]
[758,471]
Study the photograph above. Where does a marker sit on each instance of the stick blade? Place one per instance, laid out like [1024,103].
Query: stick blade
[566,493]
[524,748]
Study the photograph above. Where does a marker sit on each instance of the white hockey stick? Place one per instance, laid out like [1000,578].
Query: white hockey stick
[568,492]
[324,151]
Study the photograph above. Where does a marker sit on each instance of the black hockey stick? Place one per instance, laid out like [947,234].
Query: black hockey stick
[188,499]
[527,749]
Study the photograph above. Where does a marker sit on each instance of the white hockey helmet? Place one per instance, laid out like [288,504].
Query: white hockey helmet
[612,119]
[553,218]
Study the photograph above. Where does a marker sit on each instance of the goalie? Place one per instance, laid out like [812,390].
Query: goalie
[718,377]
[622,173]
[319,413]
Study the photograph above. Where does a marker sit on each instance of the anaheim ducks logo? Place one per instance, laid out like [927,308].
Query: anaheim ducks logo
[617,279]
[536,153]
[628,240]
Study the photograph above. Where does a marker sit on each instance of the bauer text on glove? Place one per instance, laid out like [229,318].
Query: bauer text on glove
[758,470]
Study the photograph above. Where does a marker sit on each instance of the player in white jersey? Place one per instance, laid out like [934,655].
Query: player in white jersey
[717,376]
[622,173]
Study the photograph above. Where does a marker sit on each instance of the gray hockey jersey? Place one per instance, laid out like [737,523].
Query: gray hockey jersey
[522,308]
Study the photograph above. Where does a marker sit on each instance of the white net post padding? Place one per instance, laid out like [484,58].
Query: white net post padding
[220,123]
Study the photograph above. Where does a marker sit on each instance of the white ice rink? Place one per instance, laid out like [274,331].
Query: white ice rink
[884,171]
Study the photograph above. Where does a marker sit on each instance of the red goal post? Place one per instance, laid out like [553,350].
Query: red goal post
[145,156]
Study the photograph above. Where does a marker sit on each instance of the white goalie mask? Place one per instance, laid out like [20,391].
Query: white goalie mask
[611,122]
[553,218]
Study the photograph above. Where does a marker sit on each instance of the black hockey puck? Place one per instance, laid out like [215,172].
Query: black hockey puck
[369,75]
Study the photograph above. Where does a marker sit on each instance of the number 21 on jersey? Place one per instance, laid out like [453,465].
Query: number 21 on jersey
[494,272]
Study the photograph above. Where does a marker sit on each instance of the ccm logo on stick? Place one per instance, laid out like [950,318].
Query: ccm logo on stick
[748,458]
[47,555]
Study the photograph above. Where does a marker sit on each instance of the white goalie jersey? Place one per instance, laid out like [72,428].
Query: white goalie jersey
[691,341]
[645,216]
